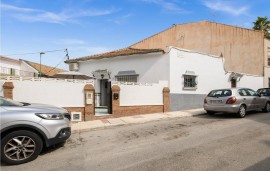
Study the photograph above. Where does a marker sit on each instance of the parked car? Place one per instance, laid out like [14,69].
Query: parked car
[264,92]
[26,128]
[235,100]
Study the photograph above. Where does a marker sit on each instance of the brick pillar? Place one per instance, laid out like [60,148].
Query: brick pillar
[89,109]
[166,99]
[115,102]
[8,90]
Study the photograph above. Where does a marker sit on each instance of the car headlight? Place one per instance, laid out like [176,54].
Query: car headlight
[51,116]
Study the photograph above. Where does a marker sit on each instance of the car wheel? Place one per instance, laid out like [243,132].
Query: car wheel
[242,111]
[267,107]
[20,147]
[210,112]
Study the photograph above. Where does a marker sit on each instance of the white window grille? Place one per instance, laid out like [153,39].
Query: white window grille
[190,80]
[127,76]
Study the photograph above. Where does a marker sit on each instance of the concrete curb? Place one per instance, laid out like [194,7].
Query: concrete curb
[127,120]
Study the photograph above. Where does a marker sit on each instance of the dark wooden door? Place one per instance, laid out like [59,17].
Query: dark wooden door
[233,83]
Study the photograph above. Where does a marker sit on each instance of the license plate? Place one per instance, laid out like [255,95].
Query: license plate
[216,101]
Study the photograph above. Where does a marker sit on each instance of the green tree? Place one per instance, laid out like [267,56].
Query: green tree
[263,24]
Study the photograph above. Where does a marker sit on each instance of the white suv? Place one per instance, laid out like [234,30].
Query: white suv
[27,128]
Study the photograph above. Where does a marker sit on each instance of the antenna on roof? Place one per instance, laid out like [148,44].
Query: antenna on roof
[67,54]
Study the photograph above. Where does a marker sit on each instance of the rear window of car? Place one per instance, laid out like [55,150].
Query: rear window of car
[264,91]
[220,93]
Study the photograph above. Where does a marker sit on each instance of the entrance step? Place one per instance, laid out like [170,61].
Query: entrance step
[101,111]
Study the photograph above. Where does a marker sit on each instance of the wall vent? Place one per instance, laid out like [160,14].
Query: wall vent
[76,116]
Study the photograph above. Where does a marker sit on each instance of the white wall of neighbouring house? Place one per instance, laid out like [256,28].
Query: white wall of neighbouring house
[150,67]
[10,64]
[210,73]
[57,93]
[1,88]
[6,65]
[27,69]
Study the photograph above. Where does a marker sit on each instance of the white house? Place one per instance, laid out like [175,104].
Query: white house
[15,67]
[23,68]
[190,74]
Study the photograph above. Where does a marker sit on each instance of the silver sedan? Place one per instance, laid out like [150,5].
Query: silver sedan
[235,100]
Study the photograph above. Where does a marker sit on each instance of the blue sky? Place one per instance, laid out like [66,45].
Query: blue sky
[88,27]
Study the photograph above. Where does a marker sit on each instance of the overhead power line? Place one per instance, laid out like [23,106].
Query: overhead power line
[57,64]
[65,50]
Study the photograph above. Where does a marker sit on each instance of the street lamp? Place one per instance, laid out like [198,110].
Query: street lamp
[41,53]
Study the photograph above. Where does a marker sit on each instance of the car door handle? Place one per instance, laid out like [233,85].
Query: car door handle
[244,98]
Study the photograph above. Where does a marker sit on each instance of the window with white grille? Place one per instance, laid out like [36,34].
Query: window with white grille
[190,80]
[127,76]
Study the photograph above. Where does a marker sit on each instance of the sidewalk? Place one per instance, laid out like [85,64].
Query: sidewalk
[80,126]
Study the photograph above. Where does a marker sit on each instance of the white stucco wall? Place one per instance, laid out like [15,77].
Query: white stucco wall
[210,72]
[150,67]
[10,64]
[6,65]
[141,95]
[62,94]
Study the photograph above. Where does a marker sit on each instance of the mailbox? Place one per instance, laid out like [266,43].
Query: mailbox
[115,96]
[89,97]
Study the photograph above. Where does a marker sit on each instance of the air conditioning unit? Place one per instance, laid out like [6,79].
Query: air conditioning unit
[76,116]
[74,67]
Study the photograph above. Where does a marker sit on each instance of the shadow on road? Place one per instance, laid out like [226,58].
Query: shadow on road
[217,116]
[43,152]
[263,165]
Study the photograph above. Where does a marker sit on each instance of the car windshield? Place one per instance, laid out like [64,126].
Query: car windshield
[220,93]
[9,102]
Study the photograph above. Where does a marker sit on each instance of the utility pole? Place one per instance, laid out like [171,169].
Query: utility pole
[41,53]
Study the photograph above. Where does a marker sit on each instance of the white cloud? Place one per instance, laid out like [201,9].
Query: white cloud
[169,6]
[81,51]
[71,42]
[121,19]
[65,16]
[226,7]
[17,9]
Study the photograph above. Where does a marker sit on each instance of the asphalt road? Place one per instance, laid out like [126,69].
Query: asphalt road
[220,142]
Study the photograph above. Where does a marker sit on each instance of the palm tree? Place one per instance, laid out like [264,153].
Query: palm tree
[262,23]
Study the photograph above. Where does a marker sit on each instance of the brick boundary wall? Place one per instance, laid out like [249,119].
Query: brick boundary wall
[166,99]
[119,111]
[8,90]
[89,109]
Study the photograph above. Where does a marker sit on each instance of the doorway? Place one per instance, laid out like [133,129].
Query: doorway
[103,98]
[233,83]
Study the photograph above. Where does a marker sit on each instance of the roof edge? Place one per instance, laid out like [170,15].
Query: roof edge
[86,58]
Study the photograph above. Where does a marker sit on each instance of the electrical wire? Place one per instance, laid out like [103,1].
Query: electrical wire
[57,65]
[65,50]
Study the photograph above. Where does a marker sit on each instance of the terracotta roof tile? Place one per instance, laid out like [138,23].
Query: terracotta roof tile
[45,70]
[120,52]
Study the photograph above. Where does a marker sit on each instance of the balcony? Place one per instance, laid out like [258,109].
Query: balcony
[4,71]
